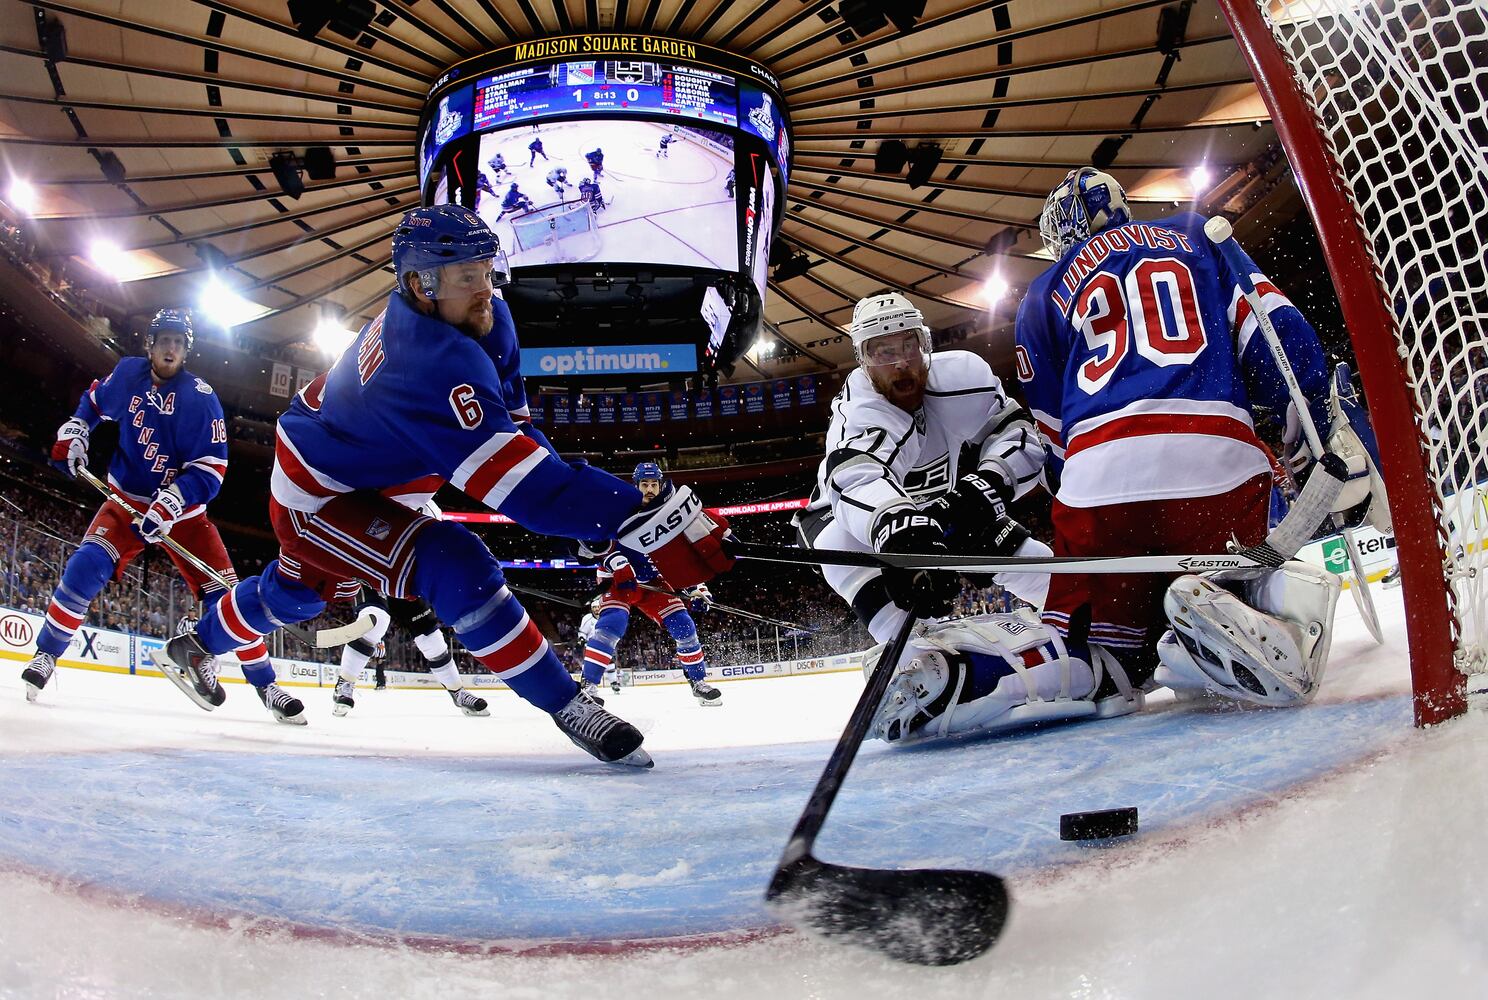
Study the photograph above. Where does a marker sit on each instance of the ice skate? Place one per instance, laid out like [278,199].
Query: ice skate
[590,690]
[37,673]
[468,703]
[286,707]
[615,686]
[601,734]
[705,693]
[187,665]
[343,700]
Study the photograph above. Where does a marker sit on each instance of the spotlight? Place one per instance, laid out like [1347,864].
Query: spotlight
[331,336]
[922,163]
[320,163]
[22,196]
[764,347]
[1172,27]
[890,157]
[1200,179]
[108,259]
[794,267]
[994,290]
[347,18]
[219,304]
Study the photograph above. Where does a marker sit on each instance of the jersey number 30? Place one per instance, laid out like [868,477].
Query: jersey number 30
[1154,307]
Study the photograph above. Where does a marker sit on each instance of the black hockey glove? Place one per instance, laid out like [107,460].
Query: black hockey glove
[976,517]
[923,593]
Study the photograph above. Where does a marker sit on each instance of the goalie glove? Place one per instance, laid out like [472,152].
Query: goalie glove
[70,451]
[684,541]
[699,598]
[1350,437]
[162,514]
[921,592]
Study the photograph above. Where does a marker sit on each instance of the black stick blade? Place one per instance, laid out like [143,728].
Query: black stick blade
[930,916]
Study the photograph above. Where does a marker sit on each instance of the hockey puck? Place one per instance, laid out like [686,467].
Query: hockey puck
[1102,824]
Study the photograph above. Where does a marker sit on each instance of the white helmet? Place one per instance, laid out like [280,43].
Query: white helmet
[884,313]
[594,604]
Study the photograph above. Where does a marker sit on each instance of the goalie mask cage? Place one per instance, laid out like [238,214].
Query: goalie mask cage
[1380,107]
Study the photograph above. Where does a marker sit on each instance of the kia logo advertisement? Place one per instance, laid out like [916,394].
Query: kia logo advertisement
[16,630]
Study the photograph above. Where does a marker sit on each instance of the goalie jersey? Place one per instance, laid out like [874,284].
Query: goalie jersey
[1140,361]
[168,433]
[879,456]
[415,403]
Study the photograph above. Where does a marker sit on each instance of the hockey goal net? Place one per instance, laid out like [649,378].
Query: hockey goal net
[1380,106]
[560,233]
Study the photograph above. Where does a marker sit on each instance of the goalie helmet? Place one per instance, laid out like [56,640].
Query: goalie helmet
[170,321]
[1085,202]
[429,239]
[880,315]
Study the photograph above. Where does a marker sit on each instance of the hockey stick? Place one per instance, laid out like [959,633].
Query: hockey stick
[543,595]
[927,916]
[1222,235]
[321,638]
[740,612]
[1308,511]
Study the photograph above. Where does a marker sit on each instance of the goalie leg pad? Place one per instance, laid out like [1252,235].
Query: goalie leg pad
[1274,653]
[990,674]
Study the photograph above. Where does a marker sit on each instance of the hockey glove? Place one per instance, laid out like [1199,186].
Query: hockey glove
[699,598]
[682,539]
[1347,434]
[162,514]
[70,452]
[923,593]
[624,586]
[976,516]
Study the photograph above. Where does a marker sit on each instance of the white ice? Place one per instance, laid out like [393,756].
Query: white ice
[1332,851]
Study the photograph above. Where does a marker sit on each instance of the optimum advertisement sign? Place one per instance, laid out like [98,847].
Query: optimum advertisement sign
[640,359]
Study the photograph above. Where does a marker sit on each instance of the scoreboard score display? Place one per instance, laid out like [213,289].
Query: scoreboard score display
[621,86]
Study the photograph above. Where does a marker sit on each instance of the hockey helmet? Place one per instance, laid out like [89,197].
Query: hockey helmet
[882,314]
[429,239]
[646,470]
[594,604]
[1085,202]
[170,321]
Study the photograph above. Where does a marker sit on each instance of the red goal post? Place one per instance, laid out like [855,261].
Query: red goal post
[1379,106]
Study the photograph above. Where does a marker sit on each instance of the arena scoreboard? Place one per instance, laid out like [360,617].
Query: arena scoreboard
[616,86]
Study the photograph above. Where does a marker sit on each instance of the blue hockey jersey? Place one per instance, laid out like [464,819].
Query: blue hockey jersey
[1140,361]
[414,403]
[168,433]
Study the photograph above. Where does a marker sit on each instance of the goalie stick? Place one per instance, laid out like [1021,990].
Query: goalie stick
[1309,510]
[1222,235]
[927,916]
[324,638]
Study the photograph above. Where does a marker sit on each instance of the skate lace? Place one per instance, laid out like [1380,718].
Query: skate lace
[463,697]
[277,697]
[344,686]
[585,719]
[206,668]
[44,663]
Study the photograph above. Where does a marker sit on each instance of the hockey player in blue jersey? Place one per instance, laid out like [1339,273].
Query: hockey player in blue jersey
[430,393]
[169,464]
[622,570]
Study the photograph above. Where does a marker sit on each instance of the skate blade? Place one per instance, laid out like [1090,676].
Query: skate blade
[476,713]
[176,676]
[31,692]
[636,758]
[291,720]
[715,703]
[340,711]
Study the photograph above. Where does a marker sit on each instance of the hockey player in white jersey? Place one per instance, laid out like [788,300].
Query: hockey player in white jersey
[891,480]
[587,625]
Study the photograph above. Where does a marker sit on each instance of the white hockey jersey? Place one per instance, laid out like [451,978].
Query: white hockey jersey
[879,457]
[586,627]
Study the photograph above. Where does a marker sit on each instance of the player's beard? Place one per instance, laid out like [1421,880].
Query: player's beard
[163,372]
[904,387]
[477,321]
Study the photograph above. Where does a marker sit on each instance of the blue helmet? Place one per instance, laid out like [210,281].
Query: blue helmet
[429,238]
[171,321]
[646,470]
[1084,203]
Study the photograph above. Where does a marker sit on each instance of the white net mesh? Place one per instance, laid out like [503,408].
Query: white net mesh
[556,234]
[1401,91]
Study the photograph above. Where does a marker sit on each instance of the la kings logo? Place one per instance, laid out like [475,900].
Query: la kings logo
[929,480]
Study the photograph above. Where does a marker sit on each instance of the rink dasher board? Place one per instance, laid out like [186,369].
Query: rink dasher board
[108,651]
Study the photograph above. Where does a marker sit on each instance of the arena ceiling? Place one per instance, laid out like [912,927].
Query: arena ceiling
[192,97]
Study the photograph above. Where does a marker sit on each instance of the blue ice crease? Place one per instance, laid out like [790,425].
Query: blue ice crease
[492,848]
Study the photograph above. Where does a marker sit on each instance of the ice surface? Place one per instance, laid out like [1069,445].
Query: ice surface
[149,848]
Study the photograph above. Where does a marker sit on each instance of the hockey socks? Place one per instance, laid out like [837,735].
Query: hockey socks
[254,608]
[506,641]
[87,572]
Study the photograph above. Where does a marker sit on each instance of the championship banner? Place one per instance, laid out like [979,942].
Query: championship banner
[652,404]
[280,380]
[537,407]
[605,404]
[679,406]
[583,410]
[754,397]
[303,377]
[806,390]
[780,394]
[703,403]
[630,408]
[728,401]
[562,409]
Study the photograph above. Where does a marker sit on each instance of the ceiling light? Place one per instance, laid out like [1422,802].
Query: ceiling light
[1200,178]
[331,337]
[22,196]
[106,256]
[225,307]
[764,347]
[994,289]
